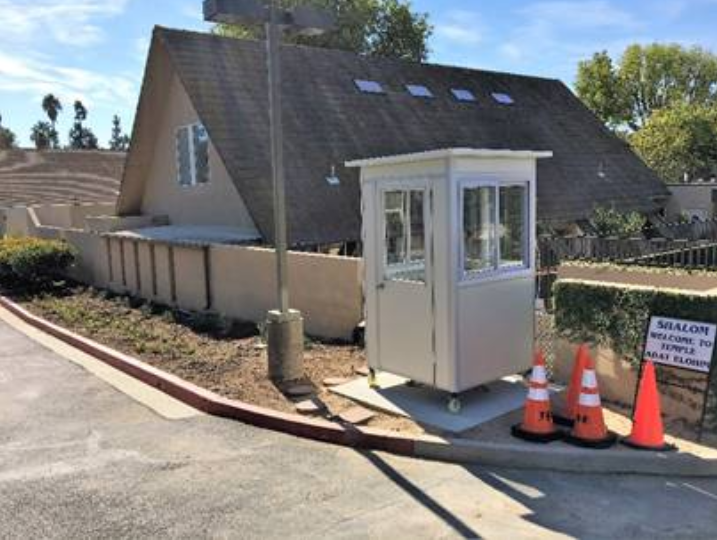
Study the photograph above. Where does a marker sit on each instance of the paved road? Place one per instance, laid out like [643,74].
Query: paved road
[79,459]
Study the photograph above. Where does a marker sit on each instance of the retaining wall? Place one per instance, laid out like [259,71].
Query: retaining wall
[235,281]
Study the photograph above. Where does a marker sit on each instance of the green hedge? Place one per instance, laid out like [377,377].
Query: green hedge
[617,316]
[33,262]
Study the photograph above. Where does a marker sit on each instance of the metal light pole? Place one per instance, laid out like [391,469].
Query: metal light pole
[285,327]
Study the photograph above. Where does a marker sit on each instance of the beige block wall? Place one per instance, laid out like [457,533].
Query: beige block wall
[162,263]
[144,250]
[17,222]
[191,278]
[216,203]
[327,290]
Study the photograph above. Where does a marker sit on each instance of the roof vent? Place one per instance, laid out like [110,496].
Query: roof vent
[503,99]
[369,87]
[332,179]
[461,94]
[417,90]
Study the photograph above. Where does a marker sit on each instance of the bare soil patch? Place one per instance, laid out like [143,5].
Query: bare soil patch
[226,357]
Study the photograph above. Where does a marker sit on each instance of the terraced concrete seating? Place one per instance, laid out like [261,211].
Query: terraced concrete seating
[59,176]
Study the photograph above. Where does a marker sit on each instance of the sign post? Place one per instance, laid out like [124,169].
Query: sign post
[680,344]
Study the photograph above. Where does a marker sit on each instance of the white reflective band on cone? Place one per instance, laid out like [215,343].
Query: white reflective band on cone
[589,379]
[539,375]
[538,394]
[589,400]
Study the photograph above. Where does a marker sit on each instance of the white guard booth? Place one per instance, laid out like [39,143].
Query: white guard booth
[449,252]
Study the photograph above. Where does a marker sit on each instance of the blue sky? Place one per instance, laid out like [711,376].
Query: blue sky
[94,50]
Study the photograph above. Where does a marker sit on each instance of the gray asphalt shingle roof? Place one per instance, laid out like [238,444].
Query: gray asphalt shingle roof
[328,121]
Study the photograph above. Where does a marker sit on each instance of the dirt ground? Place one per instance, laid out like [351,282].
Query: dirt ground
[229,358]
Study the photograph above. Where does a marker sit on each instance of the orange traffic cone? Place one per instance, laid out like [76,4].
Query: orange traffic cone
[537,425]
[589,428]
[647,431]
[571,402]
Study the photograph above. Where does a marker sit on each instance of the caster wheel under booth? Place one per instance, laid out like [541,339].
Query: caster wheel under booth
[454,404]
[372,379]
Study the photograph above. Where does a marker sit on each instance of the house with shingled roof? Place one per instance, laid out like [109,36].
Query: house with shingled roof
[200,157]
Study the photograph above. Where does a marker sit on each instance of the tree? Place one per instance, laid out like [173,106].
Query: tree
[598,85]
[42,135]
[371,27]
[119,141]
[647,79]
[679,140]
[81,137]
[52,107]
[7,137]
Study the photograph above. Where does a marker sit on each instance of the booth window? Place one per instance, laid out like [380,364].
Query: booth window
[405,245]
[495,220]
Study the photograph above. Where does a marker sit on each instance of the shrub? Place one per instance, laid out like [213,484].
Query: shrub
[610,222]
[33,262]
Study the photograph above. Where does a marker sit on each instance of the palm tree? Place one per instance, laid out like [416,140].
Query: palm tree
[52,107]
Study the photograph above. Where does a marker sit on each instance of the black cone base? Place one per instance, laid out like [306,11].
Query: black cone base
[518,431]
[600,444]
[563,420]
[667,447]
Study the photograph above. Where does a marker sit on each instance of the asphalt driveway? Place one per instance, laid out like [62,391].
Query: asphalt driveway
[79,459]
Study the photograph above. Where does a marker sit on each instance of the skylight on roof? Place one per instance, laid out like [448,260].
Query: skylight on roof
[369,87]
[417,90]
[503,99]
[461,94]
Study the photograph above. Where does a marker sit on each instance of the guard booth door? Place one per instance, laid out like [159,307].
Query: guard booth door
[405,296]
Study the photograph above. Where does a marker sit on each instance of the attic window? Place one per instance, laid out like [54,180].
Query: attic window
[461,94]
[192,155]
[369,87]
[503,99]
[419,91]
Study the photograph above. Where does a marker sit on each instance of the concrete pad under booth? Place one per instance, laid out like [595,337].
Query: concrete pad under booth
[426,405]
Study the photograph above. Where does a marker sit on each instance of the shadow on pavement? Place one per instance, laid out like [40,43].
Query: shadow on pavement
[421,496]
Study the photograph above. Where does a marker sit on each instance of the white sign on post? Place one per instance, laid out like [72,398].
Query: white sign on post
[680,343]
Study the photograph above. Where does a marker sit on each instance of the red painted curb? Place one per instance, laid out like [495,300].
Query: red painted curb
[216,405]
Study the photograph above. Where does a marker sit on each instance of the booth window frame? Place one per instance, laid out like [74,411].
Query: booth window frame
[497,269]
[401,272]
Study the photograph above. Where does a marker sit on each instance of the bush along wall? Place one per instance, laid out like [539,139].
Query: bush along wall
[33,263]
[617,316]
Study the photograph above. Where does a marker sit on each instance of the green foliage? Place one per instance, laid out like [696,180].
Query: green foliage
[679,139]
[119,141]
[43,135]
[598,85]
[33,263]
[647,79]
[52,107]
[617,317]
[7,137]
[609,223]
[371,27]
[81,137]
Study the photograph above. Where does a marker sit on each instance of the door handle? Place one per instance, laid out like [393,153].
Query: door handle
[381,286]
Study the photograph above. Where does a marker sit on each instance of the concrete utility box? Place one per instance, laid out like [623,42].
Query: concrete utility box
[449,250]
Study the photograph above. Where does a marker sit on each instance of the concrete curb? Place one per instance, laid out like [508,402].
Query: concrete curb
[451,450]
